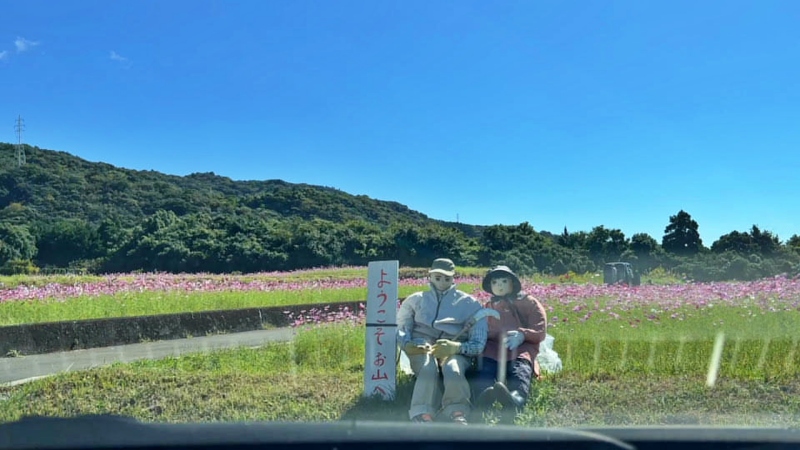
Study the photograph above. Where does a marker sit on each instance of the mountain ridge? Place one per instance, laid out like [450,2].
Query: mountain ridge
[60,185]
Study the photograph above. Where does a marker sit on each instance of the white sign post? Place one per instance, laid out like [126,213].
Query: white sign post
[380,369]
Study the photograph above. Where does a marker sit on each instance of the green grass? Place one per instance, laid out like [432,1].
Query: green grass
[303,380]
[757,345]
[147,303]
[332,273]
[658,276]
[608,380]
[13,281]
[743,321]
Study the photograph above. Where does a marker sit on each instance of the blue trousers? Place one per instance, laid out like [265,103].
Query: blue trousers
[518,376]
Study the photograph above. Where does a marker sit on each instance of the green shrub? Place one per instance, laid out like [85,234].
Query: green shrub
[19,267]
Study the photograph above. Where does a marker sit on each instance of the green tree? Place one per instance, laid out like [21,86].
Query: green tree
[755,241]
[17,214]
[65,241]
[646,251]
[765,241]
[643,244]
[16,243]
[605,245]
[112,234]
[681,236]
[734,241]
[574,241]
[794,243]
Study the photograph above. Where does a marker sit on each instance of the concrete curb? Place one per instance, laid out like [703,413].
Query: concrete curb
[14,371]
[23,381]
[38,338]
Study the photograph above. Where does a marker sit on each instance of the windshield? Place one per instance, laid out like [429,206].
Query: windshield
[541,213]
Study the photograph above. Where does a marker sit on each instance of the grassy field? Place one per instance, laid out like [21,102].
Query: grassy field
[36,299]
[131,304]
[638,356]
[652,374]
[658,276]
[334,273]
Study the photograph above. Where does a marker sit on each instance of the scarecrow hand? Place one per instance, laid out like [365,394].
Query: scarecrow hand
[445,348]
[514,339]
[416,347]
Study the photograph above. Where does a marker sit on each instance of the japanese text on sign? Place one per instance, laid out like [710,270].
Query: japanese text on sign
[381,351]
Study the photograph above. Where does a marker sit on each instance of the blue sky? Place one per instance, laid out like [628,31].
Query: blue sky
[559,113]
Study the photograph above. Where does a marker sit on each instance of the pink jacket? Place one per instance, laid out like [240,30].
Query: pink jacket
[523,313]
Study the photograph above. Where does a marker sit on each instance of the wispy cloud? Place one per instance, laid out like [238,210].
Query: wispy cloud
[23,44]
[117,57]
[3,55]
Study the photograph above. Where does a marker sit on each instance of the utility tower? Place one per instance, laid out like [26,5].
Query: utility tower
[19,128]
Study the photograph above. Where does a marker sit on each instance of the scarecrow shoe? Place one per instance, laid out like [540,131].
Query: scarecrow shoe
[506,398]
[519,401]
[486,398]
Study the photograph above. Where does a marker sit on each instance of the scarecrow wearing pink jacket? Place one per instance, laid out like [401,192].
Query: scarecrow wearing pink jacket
[523,321]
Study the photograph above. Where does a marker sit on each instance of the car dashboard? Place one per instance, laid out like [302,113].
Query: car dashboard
[100,432]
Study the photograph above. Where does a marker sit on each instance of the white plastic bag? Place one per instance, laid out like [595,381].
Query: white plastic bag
[405,364]
[548,358]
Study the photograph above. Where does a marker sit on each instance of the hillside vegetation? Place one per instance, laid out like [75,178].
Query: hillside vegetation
[60,211]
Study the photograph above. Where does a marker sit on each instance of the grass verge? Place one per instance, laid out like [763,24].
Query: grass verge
[319,377]
[317,274]
[169,302]
[151,302]
[657,276]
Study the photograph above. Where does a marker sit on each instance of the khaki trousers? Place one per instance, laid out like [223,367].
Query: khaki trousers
[455,395]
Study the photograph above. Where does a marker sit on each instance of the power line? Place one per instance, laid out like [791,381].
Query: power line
[19,127]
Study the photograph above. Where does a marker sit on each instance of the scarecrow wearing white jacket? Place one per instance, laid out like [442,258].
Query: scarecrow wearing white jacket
[431,330]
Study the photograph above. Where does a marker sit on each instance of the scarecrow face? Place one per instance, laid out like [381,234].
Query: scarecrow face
[441,281]
[502,286]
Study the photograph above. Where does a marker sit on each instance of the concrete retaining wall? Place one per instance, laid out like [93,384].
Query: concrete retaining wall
[30,339]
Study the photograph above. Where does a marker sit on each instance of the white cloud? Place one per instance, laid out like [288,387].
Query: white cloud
[3,55]
[117,57]
[23,44]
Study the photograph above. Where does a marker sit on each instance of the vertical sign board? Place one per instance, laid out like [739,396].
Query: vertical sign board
[380,370]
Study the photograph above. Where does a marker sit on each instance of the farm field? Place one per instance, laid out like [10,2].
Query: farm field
[631,355]
[36,299]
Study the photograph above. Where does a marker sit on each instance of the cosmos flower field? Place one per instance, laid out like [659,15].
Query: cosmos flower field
[567,303]
[630,354]
[597,327]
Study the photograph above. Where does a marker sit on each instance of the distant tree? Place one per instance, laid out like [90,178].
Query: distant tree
[646,251]
[643,244]
[17,214]
[733,242]
[794,242]
[111,234]
[574,241]
[16,243]
[605,245]
[64,241]
[765,241]
[512,245]
[681,236]
[754,242]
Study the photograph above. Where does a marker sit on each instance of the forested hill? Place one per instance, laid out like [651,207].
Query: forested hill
[60,211]
[57,185]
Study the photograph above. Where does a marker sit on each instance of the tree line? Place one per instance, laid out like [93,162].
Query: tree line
[60,211]
[252,241]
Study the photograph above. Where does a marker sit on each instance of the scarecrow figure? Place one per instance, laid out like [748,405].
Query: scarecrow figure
[441,331]
[513,342]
